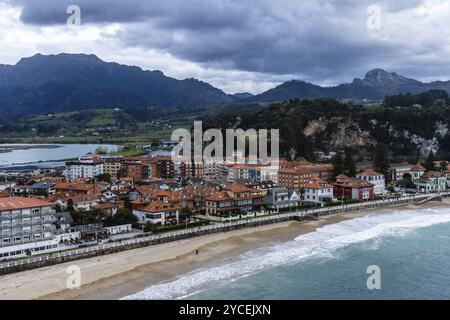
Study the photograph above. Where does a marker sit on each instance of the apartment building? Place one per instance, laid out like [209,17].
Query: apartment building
[83,169]
[352,188]
[192,170]
[135,170]
[112,166]
[162,168]
[296,178]
[234,199]
[25,227]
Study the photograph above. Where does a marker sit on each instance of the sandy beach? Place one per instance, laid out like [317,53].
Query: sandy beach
[117,275]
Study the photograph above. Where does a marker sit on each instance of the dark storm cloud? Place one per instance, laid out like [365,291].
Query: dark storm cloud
[315,39]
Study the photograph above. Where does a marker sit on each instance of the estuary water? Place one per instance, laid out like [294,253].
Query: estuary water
[46,152]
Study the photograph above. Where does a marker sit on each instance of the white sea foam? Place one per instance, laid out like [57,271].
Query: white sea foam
[321,243]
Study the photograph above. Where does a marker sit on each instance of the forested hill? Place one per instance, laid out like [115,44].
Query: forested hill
[407,127]
[67,82]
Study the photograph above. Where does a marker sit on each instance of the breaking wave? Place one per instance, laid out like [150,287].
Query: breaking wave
[320,243]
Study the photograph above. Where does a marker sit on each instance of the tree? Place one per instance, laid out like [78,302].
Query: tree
[406,181]
[338,164]
[186,213]
[429,162]
[122,216]
[70,207]
[381,159]
[104,177]
[58,208]
[390,187]
[101,151]
[127,204]
[150,227]
[349,163]
[443,165]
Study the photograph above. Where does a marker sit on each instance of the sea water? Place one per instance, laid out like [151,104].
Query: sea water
[411,248]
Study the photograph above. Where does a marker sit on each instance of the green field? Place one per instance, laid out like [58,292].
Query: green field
[94,126]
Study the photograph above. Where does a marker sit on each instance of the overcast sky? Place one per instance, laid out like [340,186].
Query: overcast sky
[240,45]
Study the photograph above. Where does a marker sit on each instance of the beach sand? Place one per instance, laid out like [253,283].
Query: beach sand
[117,275]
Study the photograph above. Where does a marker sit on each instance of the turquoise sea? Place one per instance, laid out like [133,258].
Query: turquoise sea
[411,249]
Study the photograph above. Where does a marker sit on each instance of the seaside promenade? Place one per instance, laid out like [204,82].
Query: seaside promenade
[149,240]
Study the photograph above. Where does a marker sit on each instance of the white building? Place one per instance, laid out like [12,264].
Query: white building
[83,169]
[25,227]
[317,190]
[375,178]
[113,230]
[158,212]
[416,172]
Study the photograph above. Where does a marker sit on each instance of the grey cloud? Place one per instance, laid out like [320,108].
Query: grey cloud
[317,40]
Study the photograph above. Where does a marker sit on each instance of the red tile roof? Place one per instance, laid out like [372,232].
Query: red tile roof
[318,184]
[418,167]
[159,206]
[12,203]
[431,174]
[369,173]
[220,196]
[352,183]
[4,193]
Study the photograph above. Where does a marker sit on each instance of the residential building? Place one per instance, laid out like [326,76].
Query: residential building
[25,227]
[189,170]
[135,170]
[42,189]
[377,179]
[296,178]
[112,166]
[398,170]
[83,169]
[352,188]
[282,198]
[416,172]
[80,202]
[144,193]
[157,212]
[215,171]
[162,168]
[20,190]
[447,174]
[317,190]
[234,199]
[77,188]
[431,181]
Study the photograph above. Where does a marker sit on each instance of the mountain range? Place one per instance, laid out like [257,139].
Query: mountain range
[44,84]
[375,86]
[64,82]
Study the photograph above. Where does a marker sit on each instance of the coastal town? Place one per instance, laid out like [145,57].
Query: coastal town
[102,198]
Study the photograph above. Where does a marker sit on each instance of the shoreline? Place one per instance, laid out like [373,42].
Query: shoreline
[121,274]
